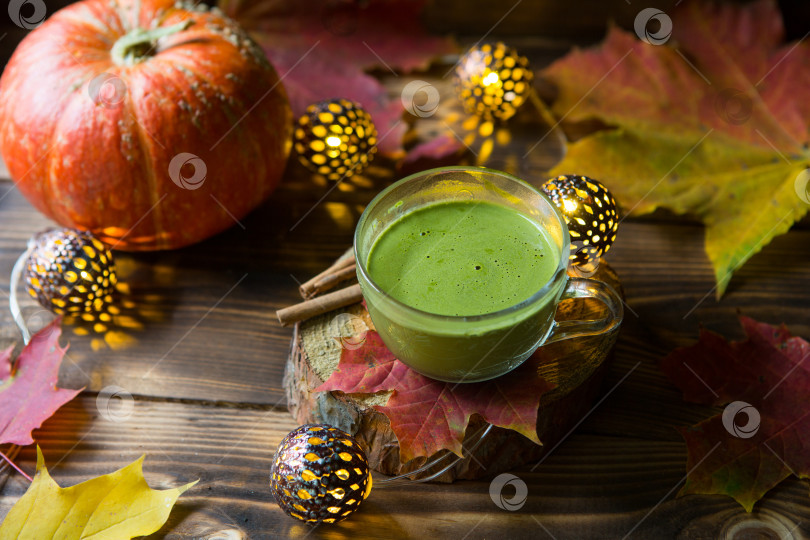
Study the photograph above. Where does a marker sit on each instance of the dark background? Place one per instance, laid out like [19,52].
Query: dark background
[578,21]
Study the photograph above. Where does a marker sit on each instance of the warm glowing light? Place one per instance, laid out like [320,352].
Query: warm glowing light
[493,81]
[490,79]
[570,206]
[335,138]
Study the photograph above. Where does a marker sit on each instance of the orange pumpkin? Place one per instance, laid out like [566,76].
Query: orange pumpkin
[151,123]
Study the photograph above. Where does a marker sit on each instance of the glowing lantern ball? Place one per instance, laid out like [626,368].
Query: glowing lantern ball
[70,271]
[493,81]
[335,138]
[589,210]
[320,474]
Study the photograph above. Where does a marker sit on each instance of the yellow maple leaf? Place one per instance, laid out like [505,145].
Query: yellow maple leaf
[111,507]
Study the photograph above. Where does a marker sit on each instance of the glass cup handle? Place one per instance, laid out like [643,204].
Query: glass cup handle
[588,288]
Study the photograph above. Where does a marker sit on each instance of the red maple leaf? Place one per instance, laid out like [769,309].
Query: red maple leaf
[322,49]
[28,392]
[441,151]
[763,434]
[428,415]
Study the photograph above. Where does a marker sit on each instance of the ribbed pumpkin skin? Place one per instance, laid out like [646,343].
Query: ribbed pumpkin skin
[103,166]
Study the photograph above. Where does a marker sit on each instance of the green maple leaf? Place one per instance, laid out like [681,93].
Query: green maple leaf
[714,123]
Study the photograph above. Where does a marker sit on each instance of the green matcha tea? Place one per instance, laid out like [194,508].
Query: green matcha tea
[463,258]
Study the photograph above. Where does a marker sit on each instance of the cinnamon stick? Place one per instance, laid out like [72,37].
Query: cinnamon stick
[307,289]
[319,305]
[332,280]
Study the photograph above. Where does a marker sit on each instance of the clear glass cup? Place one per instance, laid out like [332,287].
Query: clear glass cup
[481,347]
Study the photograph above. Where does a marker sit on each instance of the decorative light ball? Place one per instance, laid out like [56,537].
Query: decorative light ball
[590,212]
[320,474]
[335,138]
[70,271]
[493,80]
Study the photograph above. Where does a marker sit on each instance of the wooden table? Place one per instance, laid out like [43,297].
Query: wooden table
[202,355]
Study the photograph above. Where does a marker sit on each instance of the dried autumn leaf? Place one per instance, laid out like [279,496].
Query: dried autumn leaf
[115,506]
[763,435]
[440,151]
[714,123]
[428,415]
[323,48]
[28,392]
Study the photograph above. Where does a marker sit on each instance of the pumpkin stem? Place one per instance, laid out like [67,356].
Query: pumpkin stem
[139,44]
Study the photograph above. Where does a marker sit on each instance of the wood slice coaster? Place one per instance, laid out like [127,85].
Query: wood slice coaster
[576,366]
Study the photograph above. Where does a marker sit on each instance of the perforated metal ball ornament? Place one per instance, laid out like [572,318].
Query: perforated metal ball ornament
[335,138]
[493,80]
[320,474]
[70,271]
[590,212]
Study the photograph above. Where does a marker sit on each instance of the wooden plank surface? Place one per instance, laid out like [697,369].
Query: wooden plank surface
[594,486]
[233,352]
[618,465]
[202,354]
